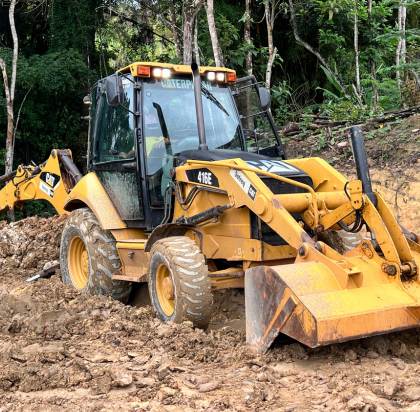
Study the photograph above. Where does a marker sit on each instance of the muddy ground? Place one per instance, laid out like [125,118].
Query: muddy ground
[60,350]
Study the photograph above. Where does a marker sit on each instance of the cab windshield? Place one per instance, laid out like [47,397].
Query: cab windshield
[174,98]
[170,126]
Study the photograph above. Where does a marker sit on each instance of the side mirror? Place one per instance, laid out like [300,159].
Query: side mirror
[114,90]
[265,98]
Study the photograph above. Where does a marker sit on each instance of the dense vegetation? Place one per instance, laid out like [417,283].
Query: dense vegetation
[363,60]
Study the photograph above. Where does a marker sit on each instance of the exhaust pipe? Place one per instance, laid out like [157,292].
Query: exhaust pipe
[360,158]
[199,106]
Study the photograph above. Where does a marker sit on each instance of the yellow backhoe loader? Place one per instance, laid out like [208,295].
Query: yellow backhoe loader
[189,189]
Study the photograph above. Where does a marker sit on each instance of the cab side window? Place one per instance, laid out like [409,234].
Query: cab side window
[258,130]
[113,144]
[114,127]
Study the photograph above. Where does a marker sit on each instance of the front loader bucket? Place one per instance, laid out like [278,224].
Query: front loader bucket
[306,302]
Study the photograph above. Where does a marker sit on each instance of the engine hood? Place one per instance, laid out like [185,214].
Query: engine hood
[265,163]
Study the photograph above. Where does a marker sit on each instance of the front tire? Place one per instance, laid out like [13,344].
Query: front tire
[89,257]
[179,285]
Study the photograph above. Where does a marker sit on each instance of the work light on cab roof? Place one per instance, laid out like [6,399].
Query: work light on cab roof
[166,71]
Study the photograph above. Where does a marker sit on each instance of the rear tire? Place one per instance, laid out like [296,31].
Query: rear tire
[179,285]
[89,257]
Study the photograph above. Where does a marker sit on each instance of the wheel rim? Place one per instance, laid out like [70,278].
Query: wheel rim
[165,290]
[78,263]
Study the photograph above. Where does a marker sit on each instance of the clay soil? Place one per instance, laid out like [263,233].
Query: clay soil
[61,350]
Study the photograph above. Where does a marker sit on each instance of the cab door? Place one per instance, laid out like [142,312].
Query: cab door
[113,151]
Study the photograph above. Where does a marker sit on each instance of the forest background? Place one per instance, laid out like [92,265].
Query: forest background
[342,60]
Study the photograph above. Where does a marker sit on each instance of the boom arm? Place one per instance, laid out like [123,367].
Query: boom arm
[50,181]
[245,188]
[324,296]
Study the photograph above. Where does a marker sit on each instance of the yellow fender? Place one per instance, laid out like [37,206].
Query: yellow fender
[90,192]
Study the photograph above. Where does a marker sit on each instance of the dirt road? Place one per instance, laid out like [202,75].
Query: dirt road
[60,350]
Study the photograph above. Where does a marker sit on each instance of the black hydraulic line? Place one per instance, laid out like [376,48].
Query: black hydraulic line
[357,225]
[69,166]
[360,159]
[201,217]
[409,235]
[199,107]
[167,204]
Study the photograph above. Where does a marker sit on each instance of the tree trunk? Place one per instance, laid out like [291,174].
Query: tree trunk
[10,96]
[400,56]
[268,72]
[357,53]
[247,36]
[311,49]
[176,33]
[270,16]
[403,36]
[10,139]
[15,48]
[10,120]
[217,52]
[398,51]
[10,128]
[375,92]
[190,11]
[187,39]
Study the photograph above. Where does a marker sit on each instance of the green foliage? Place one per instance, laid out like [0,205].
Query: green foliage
[54,83]
[65,45]
[60,78]
[230,33]
[322,142]
[389,94]
[281,94]
[72,25]
[36,207]
[344,109]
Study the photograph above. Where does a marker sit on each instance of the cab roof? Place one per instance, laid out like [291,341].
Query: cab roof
[177,68]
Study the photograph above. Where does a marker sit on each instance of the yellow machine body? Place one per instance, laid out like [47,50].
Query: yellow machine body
[305,288]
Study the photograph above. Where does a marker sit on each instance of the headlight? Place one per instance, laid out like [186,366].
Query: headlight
[157,72]
[160,73]
[220,77]
[211,76]
[166,73]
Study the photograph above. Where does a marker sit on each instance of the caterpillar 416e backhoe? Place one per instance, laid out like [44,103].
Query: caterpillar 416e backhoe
[188,188]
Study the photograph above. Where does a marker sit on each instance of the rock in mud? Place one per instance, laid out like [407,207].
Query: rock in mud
[208,387]
[121,379]
[412,393]
[390,388]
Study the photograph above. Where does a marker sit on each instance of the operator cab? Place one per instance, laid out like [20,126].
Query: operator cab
[143,122]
